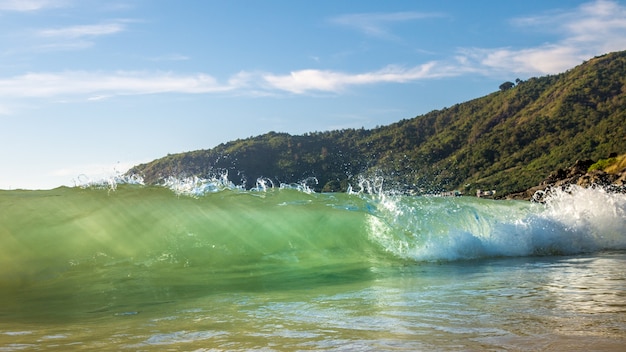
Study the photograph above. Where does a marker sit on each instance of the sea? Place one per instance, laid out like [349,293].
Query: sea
[205,265]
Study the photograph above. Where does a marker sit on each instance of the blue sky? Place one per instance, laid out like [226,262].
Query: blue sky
[89,88]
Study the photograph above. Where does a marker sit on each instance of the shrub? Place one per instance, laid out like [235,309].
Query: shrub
[602,164]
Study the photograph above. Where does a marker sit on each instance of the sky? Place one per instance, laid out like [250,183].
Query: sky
[89,88]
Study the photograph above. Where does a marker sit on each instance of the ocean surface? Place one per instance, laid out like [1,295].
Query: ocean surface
[202,265]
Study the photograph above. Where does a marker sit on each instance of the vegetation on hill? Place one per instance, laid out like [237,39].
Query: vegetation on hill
[508,140]
[613,164]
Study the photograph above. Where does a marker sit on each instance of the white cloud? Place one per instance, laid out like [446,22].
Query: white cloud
[376,24]
[601,24]
[170,57]
[73,32]
[63,46]
[77,37]
[30,5]
[333,81]
[95,86]
[546,59]
[592,29]
[90,84]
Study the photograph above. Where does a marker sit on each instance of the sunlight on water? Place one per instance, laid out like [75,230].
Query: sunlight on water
[478,305]
[203,264]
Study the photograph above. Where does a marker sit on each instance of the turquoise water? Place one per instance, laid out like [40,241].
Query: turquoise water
[206,266]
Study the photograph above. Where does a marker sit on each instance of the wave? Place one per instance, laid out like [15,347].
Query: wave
[214,228]
[572,221]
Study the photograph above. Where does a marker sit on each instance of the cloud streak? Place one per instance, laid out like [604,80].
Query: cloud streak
[593,28]
[96,85]
[377,24]
[303,81]
[75,32]
[30,5]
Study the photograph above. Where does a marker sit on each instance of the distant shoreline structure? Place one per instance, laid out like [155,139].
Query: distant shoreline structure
[485,194]
[455,193]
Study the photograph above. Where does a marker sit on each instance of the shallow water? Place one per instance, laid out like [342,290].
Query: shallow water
[143,268]
[546,303]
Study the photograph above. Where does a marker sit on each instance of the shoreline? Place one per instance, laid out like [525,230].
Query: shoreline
[580,174]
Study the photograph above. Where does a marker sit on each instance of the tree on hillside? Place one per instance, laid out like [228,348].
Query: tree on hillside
[507,85]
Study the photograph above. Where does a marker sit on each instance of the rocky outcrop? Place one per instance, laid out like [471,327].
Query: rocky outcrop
[574,175]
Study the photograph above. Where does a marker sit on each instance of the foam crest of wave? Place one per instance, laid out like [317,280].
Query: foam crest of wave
[109,183]
[304,186]
[197,186]
[572,221]
[594,216]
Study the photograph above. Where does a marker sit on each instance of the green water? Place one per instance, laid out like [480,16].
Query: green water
[145,268]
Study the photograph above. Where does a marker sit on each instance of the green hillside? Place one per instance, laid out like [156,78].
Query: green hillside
[508,140]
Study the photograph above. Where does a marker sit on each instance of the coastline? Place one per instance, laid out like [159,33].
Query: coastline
[581,174]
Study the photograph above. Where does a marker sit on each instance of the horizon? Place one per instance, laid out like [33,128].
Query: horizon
[88,90]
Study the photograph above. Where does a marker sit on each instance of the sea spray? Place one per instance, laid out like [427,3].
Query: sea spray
[434,229]
[111,182]
[203,263]
[596,217]
[196,186]
[263,184]
[574,220]
[220,227]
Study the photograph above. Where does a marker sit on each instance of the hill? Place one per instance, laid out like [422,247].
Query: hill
[508,140]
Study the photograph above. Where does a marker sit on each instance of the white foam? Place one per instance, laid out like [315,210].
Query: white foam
[196,186]
[575,220]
